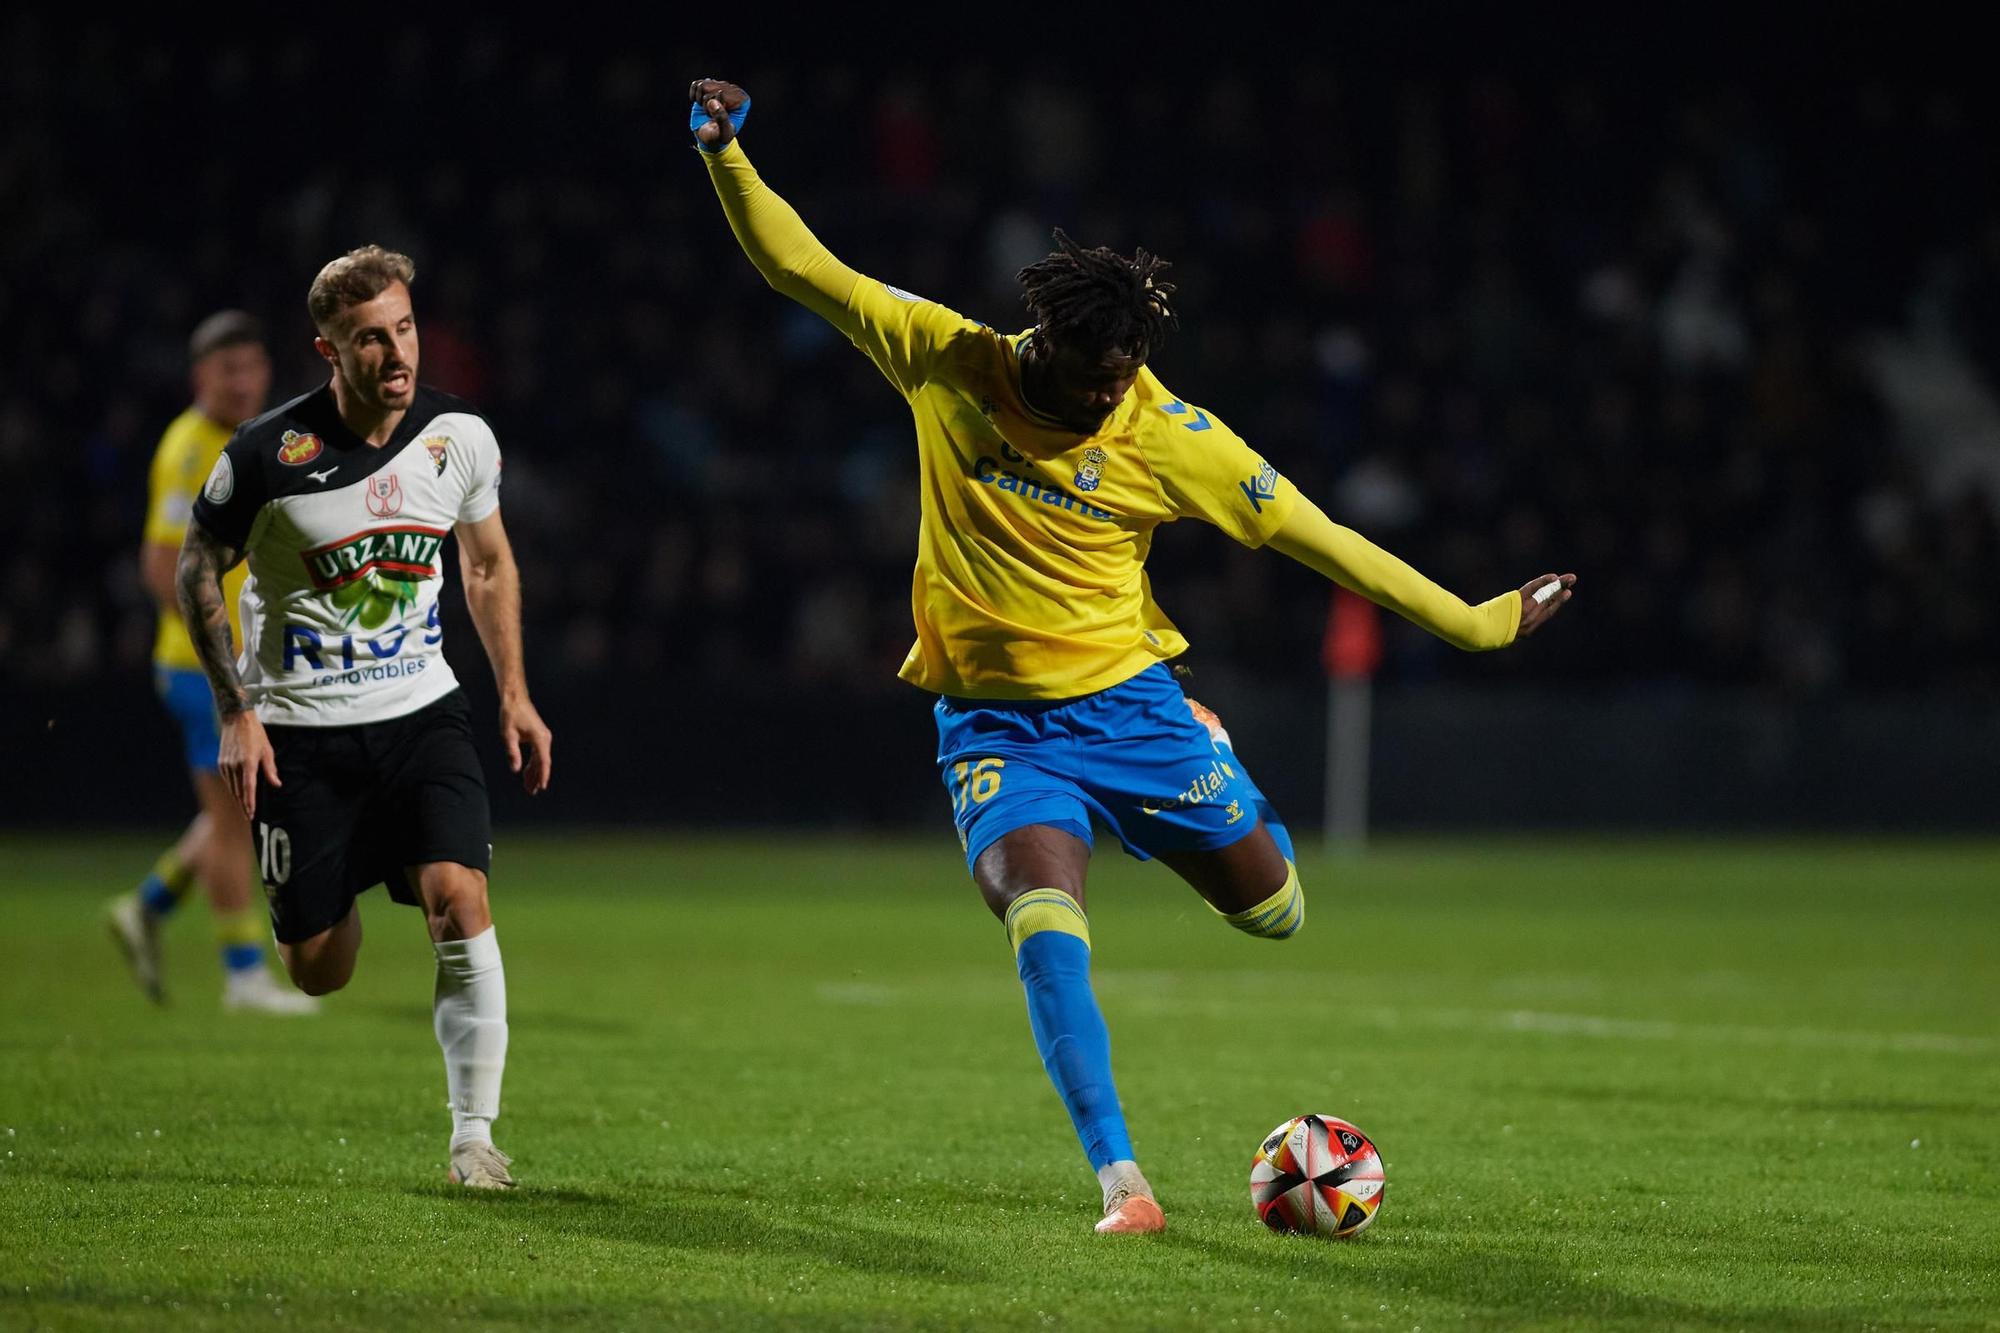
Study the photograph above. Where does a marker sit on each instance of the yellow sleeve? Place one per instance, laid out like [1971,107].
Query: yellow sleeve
[904,335]
[1206,471]
[1354,562]
[170,491]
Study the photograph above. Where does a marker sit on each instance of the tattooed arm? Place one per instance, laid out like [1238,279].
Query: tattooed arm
[246,750]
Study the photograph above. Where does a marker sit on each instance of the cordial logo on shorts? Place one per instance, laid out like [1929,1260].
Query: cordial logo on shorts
[299,449]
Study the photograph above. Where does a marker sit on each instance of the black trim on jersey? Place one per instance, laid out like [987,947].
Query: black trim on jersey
[345,460]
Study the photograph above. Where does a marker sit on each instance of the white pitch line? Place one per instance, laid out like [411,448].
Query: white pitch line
[1147,992]
[1590,1025]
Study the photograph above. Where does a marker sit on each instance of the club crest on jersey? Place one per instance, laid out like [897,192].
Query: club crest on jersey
[1091,470]
[385,496]
[297,448]
[435,445]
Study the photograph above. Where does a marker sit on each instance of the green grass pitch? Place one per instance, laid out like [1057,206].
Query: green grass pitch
[787,1082]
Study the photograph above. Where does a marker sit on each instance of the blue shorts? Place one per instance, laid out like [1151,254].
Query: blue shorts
[1132,755]
[188,698]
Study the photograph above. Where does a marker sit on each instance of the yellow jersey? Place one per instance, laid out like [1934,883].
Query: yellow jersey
[181,463]
[1030,580]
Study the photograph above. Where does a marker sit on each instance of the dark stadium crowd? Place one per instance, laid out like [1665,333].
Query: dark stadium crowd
[1725,353]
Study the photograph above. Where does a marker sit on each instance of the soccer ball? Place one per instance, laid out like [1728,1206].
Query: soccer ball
[1317,1174]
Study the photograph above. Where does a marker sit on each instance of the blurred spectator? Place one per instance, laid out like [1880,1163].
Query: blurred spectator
[1726,348]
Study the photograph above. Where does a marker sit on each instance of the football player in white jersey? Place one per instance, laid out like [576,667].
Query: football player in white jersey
[344,734]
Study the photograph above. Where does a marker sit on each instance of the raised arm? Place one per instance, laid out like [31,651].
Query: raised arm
[789,256]
[907,337]
[1355,563]
[246,750]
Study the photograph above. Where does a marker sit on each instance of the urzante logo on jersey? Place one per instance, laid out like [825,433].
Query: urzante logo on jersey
[1262,487]
[373,576]
[1091,470]
[297,448]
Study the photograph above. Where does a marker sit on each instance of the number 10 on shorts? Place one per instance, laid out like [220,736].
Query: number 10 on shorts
[274,854]
[977,782]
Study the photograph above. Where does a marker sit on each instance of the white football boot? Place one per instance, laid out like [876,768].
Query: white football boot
[137,935]
[256,991]
[480,1166]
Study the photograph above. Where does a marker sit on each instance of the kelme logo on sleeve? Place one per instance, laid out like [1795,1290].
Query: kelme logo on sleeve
[296,448]
[1262,487]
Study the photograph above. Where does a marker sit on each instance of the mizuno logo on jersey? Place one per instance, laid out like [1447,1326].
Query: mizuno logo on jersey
[408,553]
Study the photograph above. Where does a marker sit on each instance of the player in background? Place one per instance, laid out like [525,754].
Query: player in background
[231,374]
[346,738]
[1046,459]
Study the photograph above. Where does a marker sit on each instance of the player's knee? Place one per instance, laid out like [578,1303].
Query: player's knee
[317,971]
[1278,917]
[454,898]
[316,984]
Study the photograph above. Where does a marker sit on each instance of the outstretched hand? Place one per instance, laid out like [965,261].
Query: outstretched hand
[1535,614]
[723,105]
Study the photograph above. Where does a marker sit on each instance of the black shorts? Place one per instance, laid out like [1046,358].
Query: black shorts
[360,803]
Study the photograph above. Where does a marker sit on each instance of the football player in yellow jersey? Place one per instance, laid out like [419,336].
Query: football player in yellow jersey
[231,374]
[1046,460]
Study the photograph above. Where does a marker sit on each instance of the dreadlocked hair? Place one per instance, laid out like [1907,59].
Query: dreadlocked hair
[1097,299]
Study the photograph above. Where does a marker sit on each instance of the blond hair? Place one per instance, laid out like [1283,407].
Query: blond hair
[356,277]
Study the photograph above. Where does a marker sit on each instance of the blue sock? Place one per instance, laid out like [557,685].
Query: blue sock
[156,898]
[1052,954]
[162,890]
[240,937]
[242,958]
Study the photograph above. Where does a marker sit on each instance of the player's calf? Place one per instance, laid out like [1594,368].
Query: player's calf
[321,964]
[469,1014]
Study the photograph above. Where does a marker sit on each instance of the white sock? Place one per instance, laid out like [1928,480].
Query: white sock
[1113,1174]
[469,1014]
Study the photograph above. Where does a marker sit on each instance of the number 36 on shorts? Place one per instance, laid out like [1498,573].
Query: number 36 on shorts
[976,782]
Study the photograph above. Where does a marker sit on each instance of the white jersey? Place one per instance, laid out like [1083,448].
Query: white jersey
[344,541]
